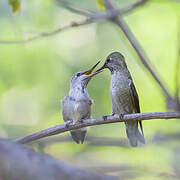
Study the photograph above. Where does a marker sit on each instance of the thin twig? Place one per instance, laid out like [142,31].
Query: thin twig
[47,34]
[77,10]
[96,121]
[139,50]
[91,19]
[138,3]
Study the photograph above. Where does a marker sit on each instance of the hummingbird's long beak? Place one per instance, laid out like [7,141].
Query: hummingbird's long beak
[88,72]
[101,68]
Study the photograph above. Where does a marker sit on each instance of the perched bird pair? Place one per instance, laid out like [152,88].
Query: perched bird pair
[77,104]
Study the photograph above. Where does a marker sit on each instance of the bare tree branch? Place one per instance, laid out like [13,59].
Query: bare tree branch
[91,19]
[47,34]
[18,162]
[134,5]
[112,14]
[139,50]
[96,121]
[87,12]
[144,59]
[77,10]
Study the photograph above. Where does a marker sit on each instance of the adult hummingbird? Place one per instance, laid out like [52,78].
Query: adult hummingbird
[123,94]
[76,106]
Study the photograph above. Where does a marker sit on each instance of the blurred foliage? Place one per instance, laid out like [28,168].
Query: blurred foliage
[101,4]
[16,4]
[34,77]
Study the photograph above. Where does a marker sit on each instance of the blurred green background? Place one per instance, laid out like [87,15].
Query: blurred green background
[35,76]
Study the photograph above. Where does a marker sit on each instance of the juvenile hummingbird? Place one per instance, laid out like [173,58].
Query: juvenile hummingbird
[76,106]
[123,94]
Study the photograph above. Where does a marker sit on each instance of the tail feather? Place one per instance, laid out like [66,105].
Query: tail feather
[132,139]
[78,135]
[140,137]
[133,134]
[140,123]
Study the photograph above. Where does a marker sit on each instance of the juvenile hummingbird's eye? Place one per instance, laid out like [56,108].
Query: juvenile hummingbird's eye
[78,74]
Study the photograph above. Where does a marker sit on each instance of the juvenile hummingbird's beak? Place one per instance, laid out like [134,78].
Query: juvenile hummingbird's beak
[94,73]
[88,72]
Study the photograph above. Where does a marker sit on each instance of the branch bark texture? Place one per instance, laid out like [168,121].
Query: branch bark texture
[96,121]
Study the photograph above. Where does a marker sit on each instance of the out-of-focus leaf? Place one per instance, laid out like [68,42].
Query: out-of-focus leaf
[15,4]
[101,4]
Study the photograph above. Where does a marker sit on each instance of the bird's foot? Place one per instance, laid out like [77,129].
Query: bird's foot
[121,116]
[68,123]
[112,114]
[81,121]
[105,117]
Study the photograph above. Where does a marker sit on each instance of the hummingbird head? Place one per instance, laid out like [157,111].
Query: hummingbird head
[81,79]
[115,61]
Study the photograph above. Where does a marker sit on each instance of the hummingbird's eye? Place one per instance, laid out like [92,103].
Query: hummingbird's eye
[108,60]
[78,74]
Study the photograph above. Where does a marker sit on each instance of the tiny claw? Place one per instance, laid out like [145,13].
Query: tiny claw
[81,121]
[121,116]
[105,118]
[68,123]
[112,114]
